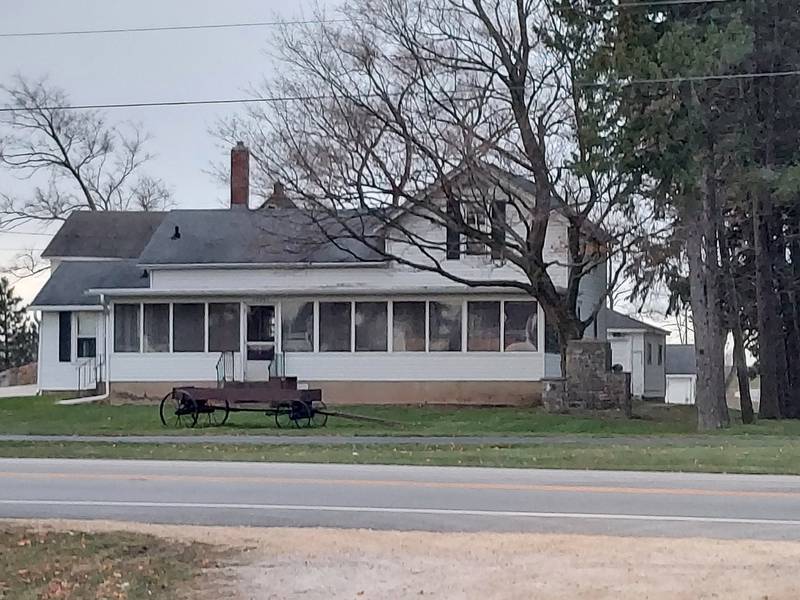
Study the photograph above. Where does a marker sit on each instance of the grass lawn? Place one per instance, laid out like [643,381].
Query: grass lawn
[39,415]
[721,454]
[50,565]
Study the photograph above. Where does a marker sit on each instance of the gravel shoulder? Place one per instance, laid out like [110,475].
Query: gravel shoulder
[317,564]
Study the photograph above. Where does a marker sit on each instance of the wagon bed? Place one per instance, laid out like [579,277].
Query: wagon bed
[280,398]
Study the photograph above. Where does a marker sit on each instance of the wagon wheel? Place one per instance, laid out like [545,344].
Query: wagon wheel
[301,413]
[318,419]
[178,410]
[283,417]
[218,415]
[295,415]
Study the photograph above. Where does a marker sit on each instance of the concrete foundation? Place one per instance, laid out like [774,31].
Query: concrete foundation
[475,393]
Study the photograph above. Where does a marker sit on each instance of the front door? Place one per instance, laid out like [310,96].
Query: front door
[260,351]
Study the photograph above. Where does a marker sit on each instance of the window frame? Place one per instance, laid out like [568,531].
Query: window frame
[143,318]
[425,328]
[204,327]
[536,307]
[238,320]
[462,324]
[139,332]
[351,327]
[499,315]
[281,331]
[385,304]
[79,346]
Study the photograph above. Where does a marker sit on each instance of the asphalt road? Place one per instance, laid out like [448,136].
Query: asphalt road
[403,498]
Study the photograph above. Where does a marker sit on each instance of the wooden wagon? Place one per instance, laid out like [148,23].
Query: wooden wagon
[279,398]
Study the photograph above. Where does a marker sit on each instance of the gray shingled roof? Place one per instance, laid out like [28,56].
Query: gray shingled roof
[276,235]
[104,234]
[679,359]
[616,320]
[70,280]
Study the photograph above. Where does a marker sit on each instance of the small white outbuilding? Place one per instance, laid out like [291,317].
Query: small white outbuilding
[638,348]
[681,374]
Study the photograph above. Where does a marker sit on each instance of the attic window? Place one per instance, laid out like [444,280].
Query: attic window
[478,222]
[176,235]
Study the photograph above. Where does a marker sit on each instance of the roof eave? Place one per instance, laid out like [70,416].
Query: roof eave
[264,265]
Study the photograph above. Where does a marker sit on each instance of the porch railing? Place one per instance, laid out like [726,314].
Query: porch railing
[277,368]
[89,373]
[225,368]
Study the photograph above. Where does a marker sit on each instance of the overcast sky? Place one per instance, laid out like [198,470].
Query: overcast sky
[141,67]
[153,66]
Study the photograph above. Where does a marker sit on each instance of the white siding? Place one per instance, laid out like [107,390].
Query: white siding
[158,366]
[298,280]
[412,366]
[621,351]
[590,291]
[552,365]
[680,389]
[483,267]
[56,375]
[654,377]
[630,351]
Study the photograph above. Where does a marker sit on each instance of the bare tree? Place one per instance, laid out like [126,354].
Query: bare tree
[74,159]
[458,116]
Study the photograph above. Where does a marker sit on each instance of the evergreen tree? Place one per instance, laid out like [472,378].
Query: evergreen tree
[18,336]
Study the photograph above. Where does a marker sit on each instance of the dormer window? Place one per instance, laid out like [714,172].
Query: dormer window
[477,222]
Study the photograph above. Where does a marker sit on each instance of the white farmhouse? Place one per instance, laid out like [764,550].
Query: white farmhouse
[139,302]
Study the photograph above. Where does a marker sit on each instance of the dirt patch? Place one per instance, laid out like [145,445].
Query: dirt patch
[317,564]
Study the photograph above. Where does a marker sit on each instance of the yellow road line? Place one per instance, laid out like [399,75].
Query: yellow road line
[521,487]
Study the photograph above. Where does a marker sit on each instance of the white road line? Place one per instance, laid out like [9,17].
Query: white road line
[400,510]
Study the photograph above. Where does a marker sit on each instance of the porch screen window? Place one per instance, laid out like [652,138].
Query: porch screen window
[126,328]
[445,326]
[188,327]
[297,321]
[64,336]
[409,326]
[223,327]
[156,327]
[521,327]
[371,327]
[483,326]
[649,353]
[87,335]
[334,327]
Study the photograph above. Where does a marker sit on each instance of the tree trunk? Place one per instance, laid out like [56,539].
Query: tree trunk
[769,335]
[742,376]
[701,248]
[792,319]
[735,321]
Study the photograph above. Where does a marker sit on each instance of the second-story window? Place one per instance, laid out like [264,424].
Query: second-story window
[477,221]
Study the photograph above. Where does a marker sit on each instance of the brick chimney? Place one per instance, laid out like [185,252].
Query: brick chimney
[240,176]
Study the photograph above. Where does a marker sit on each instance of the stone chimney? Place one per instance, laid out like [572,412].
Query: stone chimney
[240,176]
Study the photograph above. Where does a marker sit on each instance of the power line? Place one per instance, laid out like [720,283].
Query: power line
[657,3]
[690,78]
[23,34]
[269,99]
[171,103]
